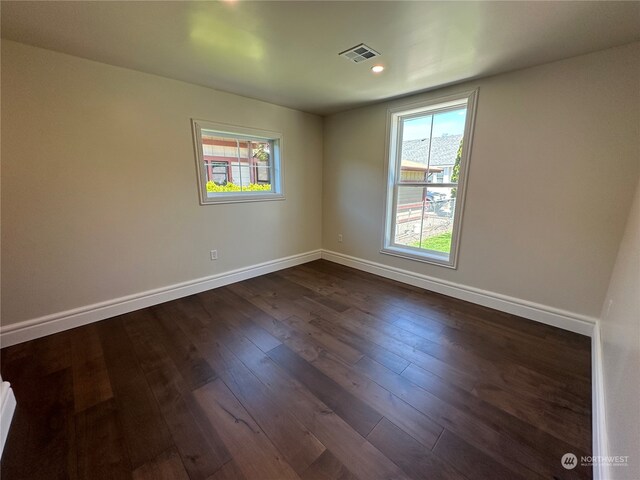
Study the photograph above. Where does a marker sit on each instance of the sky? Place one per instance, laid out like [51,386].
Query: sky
[449,123]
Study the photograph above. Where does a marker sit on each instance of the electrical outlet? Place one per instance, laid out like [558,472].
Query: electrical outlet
[214,254]
[340,237]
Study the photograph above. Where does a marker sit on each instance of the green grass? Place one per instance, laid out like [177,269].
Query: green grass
[439,243]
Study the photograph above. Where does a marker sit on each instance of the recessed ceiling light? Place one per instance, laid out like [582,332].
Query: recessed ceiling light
[377,68]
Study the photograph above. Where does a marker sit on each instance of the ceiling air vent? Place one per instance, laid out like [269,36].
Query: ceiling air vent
[359,53]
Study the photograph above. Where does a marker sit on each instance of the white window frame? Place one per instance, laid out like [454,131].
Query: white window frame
[392,175]
[241,133]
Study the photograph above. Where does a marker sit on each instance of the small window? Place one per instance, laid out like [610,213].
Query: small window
[237,164]
[428,155]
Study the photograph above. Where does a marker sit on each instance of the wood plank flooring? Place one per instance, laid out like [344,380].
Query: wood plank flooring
[314,372]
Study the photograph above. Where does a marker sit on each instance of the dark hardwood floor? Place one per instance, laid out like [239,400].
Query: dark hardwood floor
[314,372]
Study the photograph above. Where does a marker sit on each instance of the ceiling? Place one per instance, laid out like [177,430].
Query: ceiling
[287,52]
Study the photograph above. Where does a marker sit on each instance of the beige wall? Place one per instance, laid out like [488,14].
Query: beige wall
[99,196]
[620,336]
[553,169]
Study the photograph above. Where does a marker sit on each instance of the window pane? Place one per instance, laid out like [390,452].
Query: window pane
[424,218]
[409,215]
[218,154]
[437,226]
[216,146]
[260,167]
[414,150]
[236,165]
[448,130]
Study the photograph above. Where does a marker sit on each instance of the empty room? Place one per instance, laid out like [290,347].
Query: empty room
[318,240]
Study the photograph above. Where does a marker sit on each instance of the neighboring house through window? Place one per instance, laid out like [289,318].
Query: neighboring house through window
[237,164]
[428,155]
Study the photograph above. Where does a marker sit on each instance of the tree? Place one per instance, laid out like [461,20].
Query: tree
[455,174]
[261,153]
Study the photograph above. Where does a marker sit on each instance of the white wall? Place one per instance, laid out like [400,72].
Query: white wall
[553,170]
[99,192]
[620,337]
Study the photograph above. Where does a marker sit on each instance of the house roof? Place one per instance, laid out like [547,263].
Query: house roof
[443,150]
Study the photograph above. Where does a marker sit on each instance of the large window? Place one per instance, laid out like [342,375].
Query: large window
[428,150]
[237,164]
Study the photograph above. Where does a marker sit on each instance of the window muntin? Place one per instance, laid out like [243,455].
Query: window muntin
[429,145]
[237,164]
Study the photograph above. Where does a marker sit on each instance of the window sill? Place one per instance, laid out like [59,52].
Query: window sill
[431,257]
[241,199]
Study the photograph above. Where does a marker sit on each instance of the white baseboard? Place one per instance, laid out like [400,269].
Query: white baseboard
[566,320]
[39,327]
[7,407]
[598,418]
[49,324]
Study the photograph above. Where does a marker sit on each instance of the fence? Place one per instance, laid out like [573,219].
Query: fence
[417,221]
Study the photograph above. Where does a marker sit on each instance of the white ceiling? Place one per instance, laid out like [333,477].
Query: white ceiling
[287,52]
